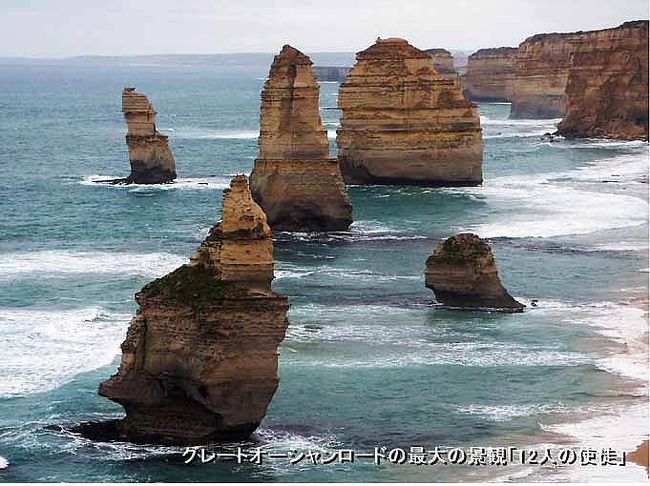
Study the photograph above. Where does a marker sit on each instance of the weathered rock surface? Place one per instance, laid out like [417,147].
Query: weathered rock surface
[152,161]
[542,70]
[295,180]
[462,273]
[491,74]
[443,61]
[607,88]
[200,359]
[403,123]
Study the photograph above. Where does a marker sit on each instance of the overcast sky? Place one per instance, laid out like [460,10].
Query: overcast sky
[47,28]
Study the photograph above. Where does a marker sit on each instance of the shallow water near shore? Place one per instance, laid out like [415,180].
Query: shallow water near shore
[368,360]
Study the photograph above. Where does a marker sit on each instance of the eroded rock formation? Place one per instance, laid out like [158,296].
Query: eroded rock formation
[443,61]
[403,123]
[295,180]
[152,161]
[607,88]
[331,73]
[463,274]
[200,359]
[542,70]
[491,74]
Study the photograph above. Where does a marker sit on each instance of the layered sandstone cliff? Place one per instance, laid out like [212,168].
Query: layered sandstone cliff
[542,70]
[200,359]
[463,274]
[152,161]
[403,123]
[295,180]
[491,74]
[607,88]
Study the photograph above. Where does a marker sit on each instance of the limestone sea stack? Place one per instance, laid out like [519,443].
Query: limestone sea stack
[152,161]
[607,88]
[295,180]
[404,123]
[463,274]
[491,74]
[200,359]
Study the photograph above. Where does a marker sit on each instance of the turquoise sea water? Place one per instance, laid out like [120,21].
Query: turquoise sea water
[368,361]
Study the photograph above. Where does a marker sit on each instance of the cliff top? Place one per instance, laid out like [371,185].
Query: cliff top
[392,48]
[564,35]
[495,51]
[438,50]
[240,212]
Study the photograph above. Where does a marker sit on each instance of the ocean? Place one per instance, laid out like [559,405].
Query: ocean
[368,361]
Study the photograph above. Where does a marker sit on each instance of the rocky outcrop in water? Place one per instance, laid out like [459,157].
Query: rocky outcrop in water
[491,74]
[403,123]
[463,274]
[152,161]
[295,180]
[200,359]
[607,88]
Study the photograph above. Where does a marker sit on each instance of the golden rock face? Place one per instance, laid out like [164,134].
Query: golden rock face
[294,180]
[152,161]
[404,123]
[607,87]
[491,74]
[200,359]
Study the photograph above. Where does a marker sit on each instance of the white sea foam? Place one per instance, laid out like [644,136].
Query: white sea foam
[505,128]
[43,349]
[207,134]
[3,463]
[187,183]
[53,263]
[554,204]
[622,428]
[503,413]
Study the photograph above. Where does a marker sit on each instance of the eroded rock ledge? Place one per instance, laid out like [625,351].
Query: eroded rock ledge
[151,158]
[404,123]
[295,180]
[463,274]
[200,359]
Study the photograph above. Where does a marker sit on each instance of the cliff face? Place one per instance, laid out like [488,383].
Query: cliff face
[152,161]
[295,180]
[403,123]
[200,358]
[462,273]
[607,88]
[491,74]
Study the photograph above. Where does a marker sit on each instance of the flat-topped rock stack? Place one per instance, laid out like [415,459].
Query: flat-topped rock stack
[607,87]
[151,158]
[295,180]
[404,123]
[491,74]
[200,359]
